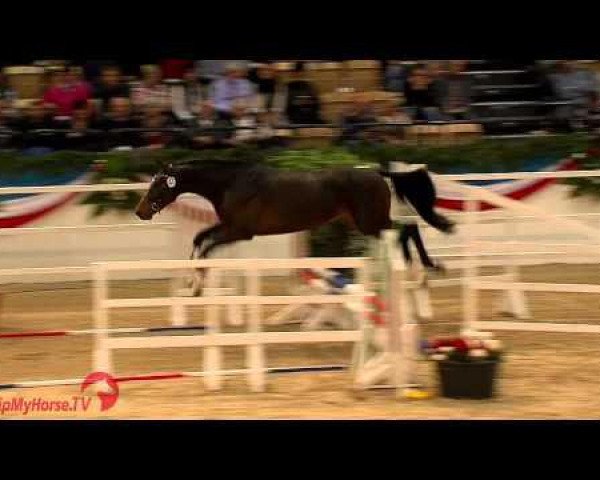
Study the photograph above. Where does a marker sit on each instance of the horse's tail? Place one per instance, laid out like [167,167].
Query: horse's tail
[418,189]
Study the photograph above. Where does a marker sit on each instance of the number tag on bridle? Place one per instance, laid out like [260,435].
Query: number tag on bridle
[171,182]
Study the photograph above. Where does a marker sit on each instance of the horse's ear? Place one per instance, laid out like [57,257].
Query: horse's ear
[165,167]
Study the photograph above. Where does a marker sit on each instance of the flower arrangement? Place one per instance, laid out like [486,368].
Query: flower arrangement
[470,347]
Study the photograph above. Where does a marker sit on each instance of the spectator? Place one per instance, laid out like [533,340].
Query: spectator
[360,112]
[245,122]
[265,78]
[151,92]
[577,86]
[38,116]
[210,71]
[156,121]
[187,97]
[206,114]
[7,95]
[81,135]
[455,93]
[232,89]
[395,77]
[119,115]
[206,118]
[118,121]
[298,101]
[392,115]
[421,97]
[65,91]
[111,85]
[36,125]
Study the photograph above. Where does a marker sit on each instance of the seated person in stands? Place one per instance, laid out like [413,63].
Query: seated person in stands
[8,135]
[119,115]
[232,89]
[187,96]
[111,85]
[117,119]
[81,134]
[420,95]
[207,119]
[156,120]
[37,116]
[265,79]
[359,112]
[394,76]
[66,89]
[7,94]
[299,100]
[392,115]
[576,85]
[245,122]
[151,90]
[455,92]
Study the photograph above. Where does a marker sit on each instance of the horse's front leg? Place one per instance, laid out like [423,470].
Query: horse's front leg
[219,238]
[195,282]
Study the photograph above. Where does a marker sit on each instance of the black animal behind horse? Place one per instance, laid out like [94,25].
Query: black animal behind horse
[254,200]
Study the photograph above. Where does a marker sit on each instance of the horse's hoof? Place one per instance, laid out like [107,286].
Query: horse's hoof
[196,291]
[437,268]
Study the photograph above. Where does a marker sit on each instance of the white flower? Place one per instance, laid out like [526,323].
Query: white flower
[438,357]
[476,335]
[478,353]
[445,349]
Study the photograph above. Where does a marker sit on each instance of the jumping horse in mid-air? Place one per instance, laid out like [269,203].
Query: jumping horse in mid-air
[255,200]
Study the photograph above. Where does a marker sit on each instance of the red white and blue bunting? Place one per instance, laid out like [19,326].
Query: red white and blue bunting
[515,189]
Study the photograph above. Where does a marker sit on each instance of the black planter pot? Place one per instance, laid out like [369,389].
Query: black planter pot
[474,380]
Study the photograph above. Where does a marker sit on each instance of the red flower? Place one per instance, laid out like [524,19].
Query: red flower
[460,345]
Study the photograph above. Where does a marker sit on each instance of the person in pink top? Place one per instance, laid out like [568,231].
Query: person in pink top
[66,90]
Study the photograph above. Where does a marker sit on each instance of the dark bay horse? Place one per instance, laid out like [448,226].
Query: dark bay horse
[254,200]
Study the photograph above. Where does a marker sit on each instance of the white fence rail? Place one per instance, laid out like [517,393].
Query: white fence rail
[254,340]
[520,252]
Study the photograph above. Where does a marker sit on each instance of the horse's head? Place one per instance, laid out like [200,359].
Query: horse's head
[163,190]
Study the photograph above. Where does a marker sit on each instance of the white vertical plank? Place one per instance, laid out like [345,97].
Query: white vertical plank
[212,355]
[102,357]
[361,320]
[255,361]
[470,295]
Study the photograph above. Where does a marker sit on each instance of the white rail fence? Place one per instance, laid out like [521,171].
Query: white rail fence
[513,254]
[253,340]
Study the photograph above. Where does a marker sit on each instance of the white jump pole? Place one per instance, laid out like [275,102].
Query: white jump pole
[255,361]
[101,358]
[212,354]
[178,312]
[470,272]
